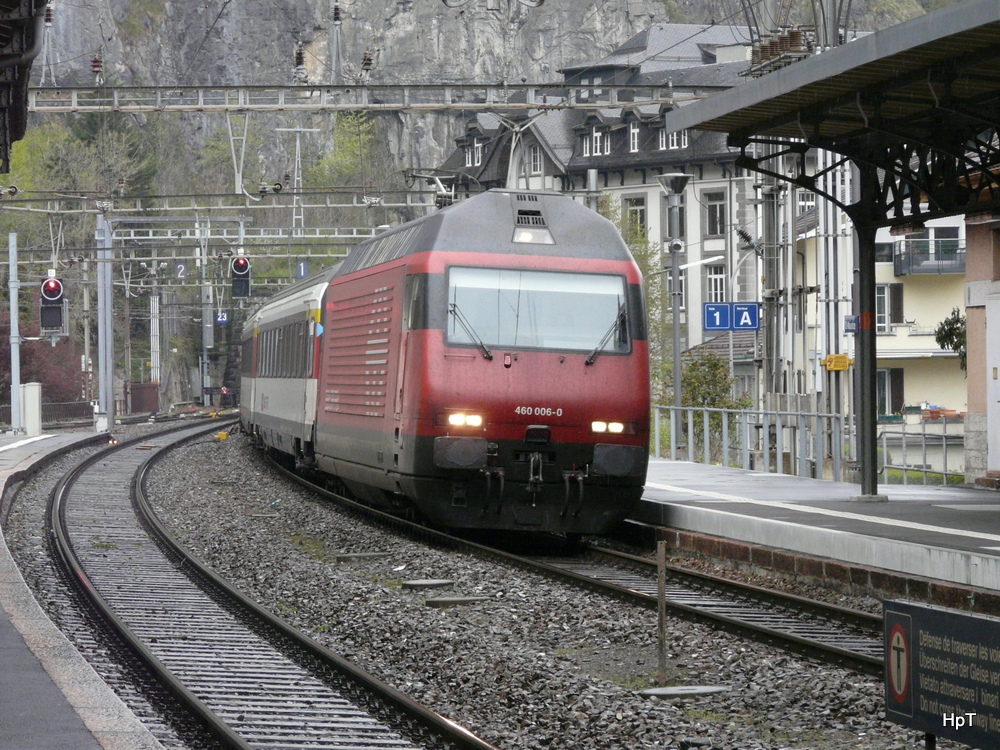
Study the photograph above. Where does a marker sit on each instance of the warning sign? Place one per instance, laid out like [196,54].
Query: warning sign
[942,672]
[897,664]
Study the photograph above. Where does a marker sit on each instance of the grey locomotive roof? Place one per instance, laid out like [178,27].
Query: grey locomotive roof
[485,224]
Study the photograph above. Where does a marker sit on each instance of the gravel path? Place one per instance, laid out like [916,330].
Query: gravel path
[535,664]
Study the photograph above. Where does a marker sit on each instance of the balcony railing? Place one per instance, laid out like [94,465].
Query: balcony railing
[928,256]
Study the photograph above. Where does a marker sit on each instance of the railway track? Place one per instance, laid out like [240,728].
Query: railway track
[253,681]
[834,634]
[844,636]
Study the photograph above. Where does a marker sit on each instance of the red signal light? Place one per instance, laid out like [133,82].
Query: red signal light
[240,266]
[239,270]
[52,291]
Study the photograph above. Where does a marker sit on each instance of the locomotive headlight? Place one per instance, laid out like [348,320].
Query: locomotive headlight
[533,235]
[614,428]
[461,419]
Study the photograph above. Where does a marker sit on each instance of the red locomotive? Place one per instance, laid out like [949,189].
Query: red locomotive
[486,364]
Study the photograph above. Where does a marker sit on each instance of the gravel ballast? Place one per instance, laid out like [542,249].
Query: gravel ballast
[534,664]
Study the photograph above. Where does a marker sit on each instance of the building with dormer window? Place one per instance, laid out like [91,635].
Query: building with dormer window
[617,152]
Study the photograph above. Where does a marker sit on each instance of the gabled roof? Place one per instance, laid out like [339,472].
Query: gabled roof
[744,346]
[554,132]
[668,47]
[717,75]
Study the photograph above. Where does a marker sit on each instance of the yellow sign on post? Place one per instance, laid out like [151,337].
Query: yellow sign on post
[836,362]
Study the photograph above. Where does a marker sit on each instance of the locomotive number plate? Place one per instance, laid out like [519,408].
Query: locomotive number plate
[538,411]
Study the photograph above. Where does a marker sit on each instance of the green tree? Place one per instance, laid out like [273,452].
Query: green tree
[950,334]
[647,256]
[707,383]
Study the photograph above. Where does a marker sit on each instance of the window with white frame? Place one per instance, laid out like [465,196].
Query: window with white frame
[468,156]
[597,141]
[535,158]
[633,137]
[888,307]
[635,214]
[586,144]
[661,138]
[715,213]
[883,308]
[479,148]
[715,277]
[806,200]
[586,82]
[889,390]
[677,139]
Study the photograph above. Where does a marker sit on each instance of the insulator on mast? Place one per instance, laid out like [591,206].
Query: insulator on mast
[48,15]
[299,74]
[97,64]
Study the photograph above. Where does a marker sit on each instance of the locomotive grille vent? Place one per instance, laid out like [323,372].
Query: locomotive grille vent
[526,218]
[529,198]
[382,250]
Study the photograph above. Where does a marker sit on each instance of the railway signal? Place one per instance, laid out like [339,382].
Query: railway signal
[239,271]
[53,295]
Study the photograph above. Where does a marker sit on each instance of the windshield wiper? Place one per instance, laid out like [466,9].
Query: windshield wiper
[453,309]
[619,323]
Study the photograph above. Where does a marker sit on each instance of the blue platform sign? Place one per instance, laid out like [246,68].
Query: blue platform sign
[716,316]
[746,316]
[731,316]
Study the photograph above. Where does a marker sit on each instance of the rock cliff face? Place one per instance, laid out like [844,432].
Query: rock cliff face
[252,42]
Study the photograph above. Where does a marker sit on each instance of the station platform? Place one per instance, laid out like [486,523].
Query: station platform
[49,696]
[937,543]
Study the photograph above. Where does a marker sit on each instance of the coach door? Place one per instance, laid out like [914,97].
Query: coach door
[993,382]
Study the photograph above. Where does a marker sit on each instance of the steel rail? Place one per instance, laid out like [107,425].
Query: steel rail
[229,674]
[460,736]
[78,575]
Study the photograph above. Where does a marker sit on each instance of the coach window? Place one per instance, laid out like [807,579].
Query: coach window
[306,351]
[414,303]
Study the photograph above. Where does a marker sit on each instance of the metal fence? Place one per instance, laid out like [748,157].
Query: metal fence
[914,450]
[784,442]
[54,413]
[929,451]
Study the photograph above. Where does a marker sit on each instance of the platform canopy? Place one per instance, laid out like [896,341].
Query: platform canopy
[917,103]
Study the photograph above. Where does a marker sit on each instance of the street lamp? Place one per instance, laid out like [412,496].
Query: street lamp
[673,185]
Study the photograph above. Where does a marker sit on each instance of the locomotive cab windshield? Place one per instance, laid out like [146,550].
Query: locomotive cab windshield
[527,309]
